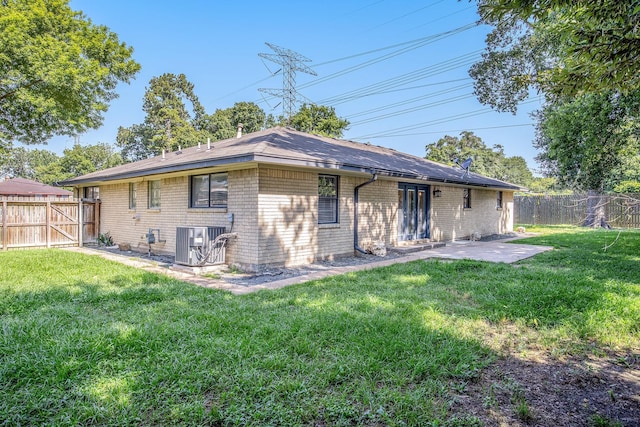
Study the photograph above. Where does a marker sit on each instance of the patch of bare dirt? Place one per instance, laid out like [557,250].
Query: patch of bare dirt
[542,391]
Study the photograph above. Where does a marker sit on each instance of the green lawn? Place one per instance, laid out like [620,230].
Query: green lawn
[88,341]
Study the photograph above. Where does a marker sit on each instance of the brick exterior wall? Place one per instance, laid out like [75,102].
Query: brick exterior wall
[378,213]
[276,215]
[131,225]
[288,219]
[450,221]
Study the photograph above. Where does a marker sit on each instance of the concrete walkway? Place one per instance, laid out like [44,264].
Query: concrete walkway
[493,251]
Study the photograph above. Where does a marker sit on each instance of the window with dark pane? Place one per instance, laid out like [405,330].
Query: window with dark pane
[92,193]
[209,191]
[327,199]
[466,198]
[132,195]
[154,194]
[499,200]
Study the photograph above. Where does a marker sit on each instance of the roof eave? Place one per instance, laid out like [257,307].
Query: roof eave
[275,160]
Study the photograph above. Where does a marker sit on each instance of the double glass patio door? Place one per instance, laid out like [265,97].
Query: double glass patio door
[413,212]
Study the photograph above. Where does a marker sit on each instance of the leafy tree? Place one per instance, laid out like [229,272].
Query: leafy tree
[586,144]
[563,48]
[47,167]
[490,162]
[58,71]
[134,142]
[169,123]
[175,118]
[320,120]
[514,169]
[249,114]
[627,187]
[223,124]
[24,163]
[219,125]
[544,185]
[101,155]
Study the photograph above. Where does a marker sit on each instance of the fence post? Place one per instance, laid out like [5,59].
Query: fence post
[80,223]
[48,223]
[5,229]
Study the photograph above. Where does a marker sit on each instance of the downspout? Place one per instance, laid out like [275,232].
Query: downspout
[356,190]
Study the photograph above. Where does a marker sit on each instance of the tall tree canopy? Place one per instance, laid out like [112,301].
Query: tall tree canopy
[24,163]
[490,162]
[591,142]
[174,118]
[49,168]
[58,70]
[319,119]
[223,123]
[563,48]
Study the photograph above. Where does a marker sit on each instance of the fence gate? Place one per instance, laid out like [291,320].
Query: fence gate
[30,222]
[90,221]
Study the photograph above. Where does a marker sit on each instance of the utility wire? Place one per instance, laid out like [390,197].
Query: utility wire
[413,109]
[392,132]
[427,40]
[408,14]
[450,131]
[404,79]
[393,46]
[408,101]
[410,46]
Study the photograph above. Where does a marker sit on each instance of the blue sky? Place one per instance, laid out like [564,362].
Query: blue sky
[397,70]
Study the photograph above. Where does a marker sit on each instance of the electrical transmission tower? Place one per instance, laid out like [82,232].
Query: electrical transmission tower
[291,62]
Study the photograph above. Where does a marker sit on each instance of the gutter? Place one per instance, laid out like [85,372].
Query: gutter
[356,190]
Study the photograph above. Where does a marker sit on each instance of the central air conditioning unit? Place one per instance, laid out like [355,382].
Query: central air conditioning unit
[194,246]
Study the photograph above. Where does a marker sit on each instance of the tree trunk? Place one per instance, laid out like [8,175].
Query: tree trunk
[596,214]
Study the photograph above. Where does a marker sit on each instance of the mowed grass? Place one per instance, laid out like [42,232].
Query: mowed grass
[88,341]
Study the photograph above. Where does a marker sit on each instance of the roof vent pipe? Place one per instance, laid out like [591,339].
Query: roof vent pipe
[208,143]
[356,191]
[163,157]
[240,126]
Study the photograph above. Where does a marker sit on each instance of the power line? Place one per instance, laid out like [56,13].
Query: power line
[413,109]
[403,79]
[425,41]
[408,14]
[394,131]
[448,131]
[409,46]
[408,101]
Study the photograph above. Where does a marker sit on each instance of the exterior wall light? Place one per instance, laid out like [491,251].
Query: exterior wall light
[437,192]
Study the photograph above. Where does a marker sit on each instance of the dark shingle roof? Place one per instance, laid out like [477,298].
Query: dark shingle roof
[26,187]
[284,146]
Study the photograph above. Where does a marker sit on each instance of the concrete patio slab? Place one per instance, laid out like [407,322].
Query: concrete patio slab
[492,251]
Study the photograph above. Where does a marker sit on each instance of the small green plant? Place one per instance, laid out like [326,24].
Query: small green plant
[466,421]
[600,421]
[234,269]
[105,239]
[490,399]
[523,411]
[213,276]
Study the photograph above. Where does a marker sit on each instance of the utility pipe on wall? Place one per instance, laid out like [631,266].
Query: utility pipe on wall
[356,190]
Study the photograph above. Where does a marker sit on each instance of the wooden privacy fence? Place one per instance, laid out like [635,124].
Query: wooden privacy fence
[29,222]
[621,210]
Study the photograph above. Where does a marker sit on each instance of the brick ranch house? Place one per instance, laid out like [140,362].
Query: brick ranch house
[293,198]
